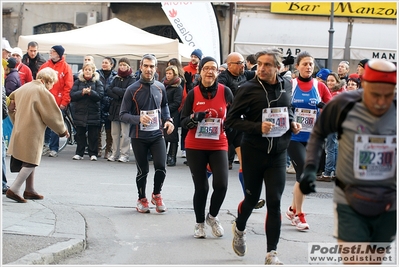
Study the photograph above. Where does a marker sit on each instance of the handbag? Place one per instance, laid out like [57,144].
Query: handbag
[368,200]
[15,164]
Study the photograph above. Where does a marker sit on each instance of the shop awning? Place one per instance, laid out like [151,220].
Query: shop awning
[374,41]
[290,34]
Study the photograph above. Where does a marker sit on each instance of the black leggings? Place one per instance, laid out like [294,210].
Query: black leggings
[197,161]
[297,153]
[259,167]
[158,152]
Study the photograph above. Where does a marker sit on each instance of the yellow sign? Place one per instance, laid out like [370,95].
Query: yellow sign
[382,10]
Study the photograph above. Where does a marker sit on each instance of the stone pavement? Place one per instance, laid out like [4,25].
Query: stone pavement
[34,233]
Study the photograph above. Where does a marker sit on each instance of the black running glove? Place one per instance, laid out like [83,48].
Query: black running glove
[308,178]
[195,118]
[199,116]
[189,81]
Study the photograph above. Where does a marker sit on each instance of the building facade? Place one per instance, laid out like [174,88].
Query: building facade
[357,30]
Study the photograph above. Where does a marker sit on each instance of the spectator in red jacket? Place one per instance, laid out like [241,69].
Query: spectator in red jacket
[25,74]
[60,90]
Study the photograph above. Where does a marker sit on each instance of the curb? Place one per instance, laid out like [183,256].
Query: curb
[69,224]
[52,254]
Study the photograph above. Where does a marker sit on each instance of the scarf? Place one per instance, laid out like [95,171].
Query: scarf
[124,74]
[175,82]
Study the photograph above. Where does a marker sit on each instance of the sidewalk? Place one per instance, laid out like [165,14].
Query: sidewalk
[40,232]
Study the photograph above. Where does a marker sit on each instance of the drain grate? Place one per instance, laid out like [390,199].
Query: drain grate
[322,195]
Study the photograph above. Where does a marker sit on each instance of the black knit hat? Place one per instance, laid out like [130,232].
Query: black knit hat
[363,62]
[59,49]
[204,60]
[11,62]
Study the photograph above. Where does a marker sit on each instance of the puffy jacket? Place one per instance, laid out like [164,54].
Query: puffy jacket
[12,81]
[86,107]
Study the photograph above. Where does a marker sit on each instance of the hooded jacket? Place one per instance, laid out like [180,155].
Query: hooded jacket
[249,102]
[65,81]
[86,107]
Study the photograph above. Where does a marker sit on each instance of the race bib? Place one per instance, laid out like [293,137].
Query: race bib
[154,123]
[375,157]
[278,116]
[209,128]
[306,117]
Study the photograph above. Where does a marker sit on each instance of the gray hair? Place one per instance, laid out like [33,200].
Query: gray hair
[149,57]
[274,52]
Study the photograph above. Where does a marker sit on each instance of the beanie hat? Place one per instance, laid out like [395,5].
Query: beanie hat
[18,51]
[197,53]
[363,62]
[374,74]
[11,62]
[59,49]
[124,60]
[204,61]
[323,74]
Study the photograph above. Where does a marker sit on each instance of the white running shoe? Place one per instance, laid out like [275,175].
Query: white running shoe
[183,153]
[290,214]
[239,244]
[77,157]
[217,229]
[123,159]
[158,202]
[93,158]
[46,150]
[111,158]
[260,204]
[300,223]
[199,230]
[142,206]
[53,154]
[291,169]
[272,259]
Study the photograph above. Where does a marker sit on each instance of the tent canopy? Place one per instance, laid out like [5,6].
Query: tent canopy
[113,38]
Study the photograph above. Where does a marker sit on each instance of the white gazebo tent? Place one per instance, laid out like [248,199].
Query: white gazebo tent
[113,38]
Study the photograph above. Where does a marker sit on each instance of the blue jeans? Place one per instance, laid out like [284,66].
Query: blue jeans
[47,136]
[54,141]
[4,164]
[331,154]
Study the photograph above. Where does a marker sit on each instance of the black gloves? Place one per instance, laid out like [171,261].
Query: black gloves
[308,178]
[189,80]
[199,116]
[195,118]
